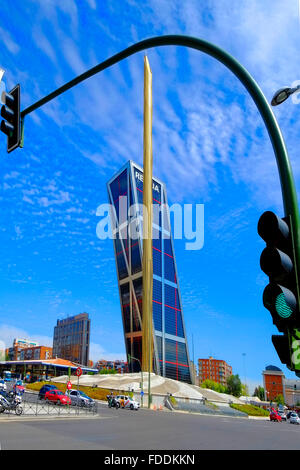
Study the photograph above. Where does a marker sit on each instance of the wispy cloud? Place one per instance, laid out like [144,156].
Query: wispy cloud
[9,43]
[9,332]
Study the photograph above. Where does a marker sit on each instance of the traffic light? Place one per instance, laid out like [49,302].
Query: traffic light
[283,349]
[10,111]
[280,296]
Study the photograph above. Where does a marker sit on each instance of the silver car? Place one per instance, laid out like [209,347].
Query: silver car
[127,402]
[294,419]
[79,398]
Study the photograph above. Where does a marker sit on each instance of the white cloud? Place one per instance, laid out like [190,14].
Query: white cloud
[44,44]
[9,43]
[8,333]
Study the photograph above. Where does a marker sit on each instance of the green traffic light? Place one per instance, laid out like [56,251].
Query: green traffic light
[282,308]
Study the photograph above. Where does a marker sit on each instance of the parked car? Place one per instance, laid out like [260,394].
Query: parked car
[44,389]
[2,384]
[79,398]
[57,397]
[294,418]
[127,402]
[274,416]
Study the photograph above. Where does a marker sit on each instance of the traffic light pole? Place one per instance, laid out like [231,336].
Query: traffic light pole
[283,163]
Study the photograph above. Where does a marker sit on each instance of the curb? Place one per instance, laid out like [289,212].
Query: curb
[211,414]
[46,418]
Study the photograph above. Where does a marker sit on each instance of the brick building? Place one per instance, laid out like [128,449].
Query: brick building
[24,349]
[120,366]
[273,379]
[214,369]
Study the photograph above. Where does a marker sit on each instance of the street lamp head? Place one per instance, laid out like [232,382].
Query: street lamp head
[282,94]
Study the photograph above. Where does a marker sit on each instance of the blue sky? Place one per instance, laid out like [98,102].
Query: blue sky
[209,146]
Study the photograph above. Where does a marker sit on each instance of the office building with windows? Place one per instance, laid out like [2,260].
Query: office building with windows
[214,369]
[24,349]
[71,340]
[170,352]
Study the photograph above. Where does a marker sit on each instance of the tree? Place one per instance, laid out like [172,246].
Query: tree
[108,371]
[245,390]
[279,399]
[259,392]
[234,385]
[212,385]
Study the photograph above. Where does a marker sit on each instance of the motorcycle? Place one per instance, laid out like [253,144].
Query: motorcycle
[11,402]
[112,402]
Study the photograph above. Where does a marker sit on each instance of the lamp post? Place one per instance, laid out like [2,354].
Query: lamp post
[268,398]
[244,361]
[142,385]
[288,188]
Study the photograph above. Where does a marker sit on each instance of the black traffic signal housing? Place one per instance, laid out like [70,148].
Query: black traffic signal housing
[281,295]
[10,125]
[277,260]
[283,348]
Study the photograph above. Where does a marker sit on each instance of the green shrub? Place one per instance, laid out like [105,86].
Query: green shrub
[250,410]
[212,385]
[96,393]
[108,371]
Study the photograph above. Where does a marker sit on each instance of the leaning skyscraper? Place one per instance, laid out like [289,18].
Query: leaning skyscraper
[170,352]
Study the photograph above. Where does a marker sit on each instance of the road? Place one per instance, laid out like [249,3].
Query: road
[144,429]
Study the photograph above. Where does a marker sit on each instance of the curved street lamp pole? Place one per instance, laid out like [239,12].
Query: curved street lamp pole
[284,167]
[288,189]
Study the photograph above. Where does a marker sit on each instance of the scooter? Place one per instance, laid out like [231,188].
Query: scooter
[11,402]
[112,402]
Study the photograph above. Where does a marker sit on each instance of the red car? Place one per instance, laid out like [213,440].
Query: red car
[57,397]
[274,416]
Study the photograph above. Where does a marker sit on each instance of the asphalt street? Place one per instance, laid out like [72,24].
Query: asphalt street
[144,429]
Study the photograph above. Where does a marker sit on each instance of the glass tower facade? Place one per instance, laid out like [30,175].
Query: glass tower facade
[170,352]
[71,339]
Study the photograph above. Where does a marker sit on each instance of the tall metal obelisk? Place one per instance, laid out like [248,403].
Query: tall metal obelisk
[147,340]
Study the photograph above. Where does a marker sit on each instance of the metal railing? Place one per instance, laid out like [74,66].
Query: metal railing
[202,406]
[32,405]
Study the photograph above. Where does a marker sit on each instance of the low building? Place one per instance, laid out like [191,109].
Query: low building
[37,352]
[273,380]
[43,369]
[119,365]
[276,384]
[24,349]
[214,369]
[292,392]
